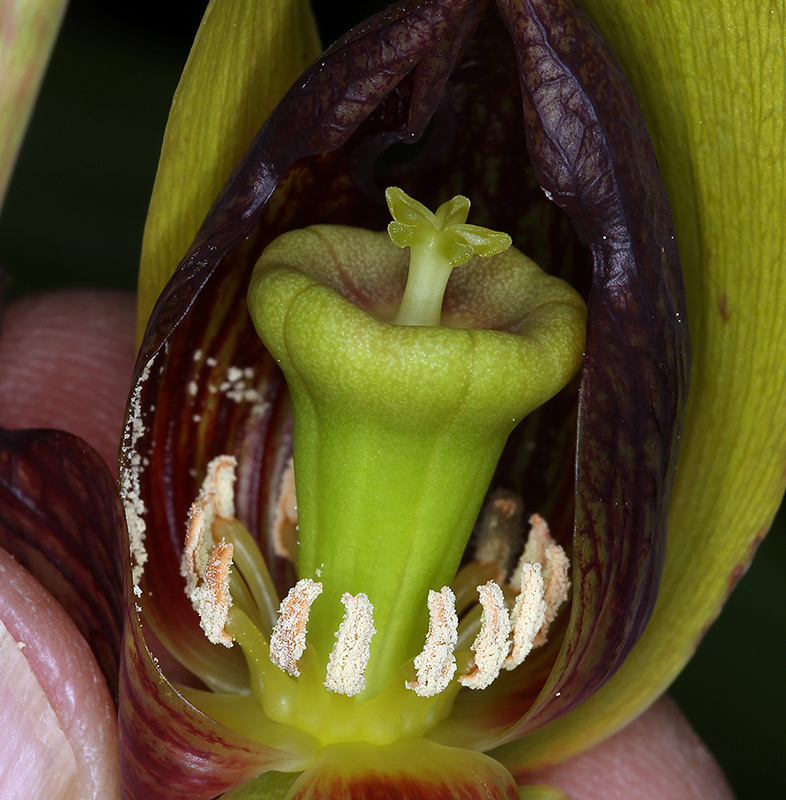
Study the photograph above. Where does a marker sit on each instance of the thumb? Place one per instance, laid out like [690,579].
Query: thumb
[65,362]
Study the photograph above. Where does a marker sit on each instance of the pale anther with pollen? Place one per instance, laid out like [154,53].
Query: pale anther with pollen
[538,540]
[350,654]
[216,499]
[436,664]
[555,587]
[529,614]
[220,482]
[491,645]
[288,639]
[206,566]
[211,598]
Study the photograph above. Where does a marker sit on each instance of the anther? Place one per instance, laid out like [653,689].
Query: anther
[499,527]
[529,614]
[436,664]
[284,528]
[556,586]
[538,540]
[491,645]
[220,482]
[288,639]
[211,599]
[216,499]
[350,654]
[542,549]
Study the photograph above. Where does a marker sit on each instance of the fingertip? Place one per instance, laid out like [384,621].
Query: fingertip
[66,360]
[658,755]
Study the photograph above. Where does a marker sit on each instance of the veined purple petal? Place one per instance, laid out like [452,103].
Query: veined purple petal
[60,518]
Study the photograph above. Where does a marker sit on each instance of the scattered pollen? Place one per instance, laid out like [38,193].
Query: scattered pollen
[491,645]
[288,640]
[436,664]
[529,614]
[350,654]
[130,486]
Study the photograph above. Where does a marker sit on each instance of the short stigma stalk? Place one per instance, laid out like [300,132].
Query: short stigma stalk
[438,243]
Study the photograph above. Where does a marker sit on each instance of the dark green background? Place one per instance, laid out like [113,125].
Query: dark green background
[74,217]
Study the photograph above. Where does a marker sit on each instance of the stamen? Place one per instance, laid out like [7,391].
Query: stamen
[220,483]
[491,645]
[216,499]
[556,583]
[529,614]
[212,599]
[284,527]
[542,549]
[436,664]
[538,540]
[196,550]
[498,529]
[288,640]
[350,654]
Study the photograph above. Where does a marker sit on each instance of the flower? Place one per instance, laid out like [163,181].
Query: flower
[172,499]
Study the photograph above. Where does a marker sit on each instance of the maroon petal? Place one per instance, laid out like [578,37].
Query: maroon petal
[168,749]
[591,151]
[61,518]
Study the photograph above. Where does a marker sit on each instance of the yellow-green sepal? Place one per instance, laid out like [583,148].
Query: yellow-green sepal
[245,56]
[29,31]
[713,93]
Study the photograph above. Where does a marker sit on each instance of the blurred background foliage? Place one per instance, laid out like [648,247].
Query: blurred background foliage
[74,217]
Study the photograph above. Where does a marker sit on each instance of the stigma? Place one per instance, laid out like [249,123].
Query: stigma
[508,620]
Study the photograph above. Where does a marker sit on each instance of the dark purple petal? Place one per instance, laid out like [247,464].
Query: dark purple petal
[60,517]
[352,82]
[591,151]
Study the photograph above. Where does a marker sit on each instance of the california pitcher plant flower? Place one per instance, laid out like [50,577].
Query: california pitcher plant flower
[329,584]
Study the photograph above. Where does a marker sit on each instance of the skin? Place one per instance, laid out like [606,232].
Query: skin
[66,362]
